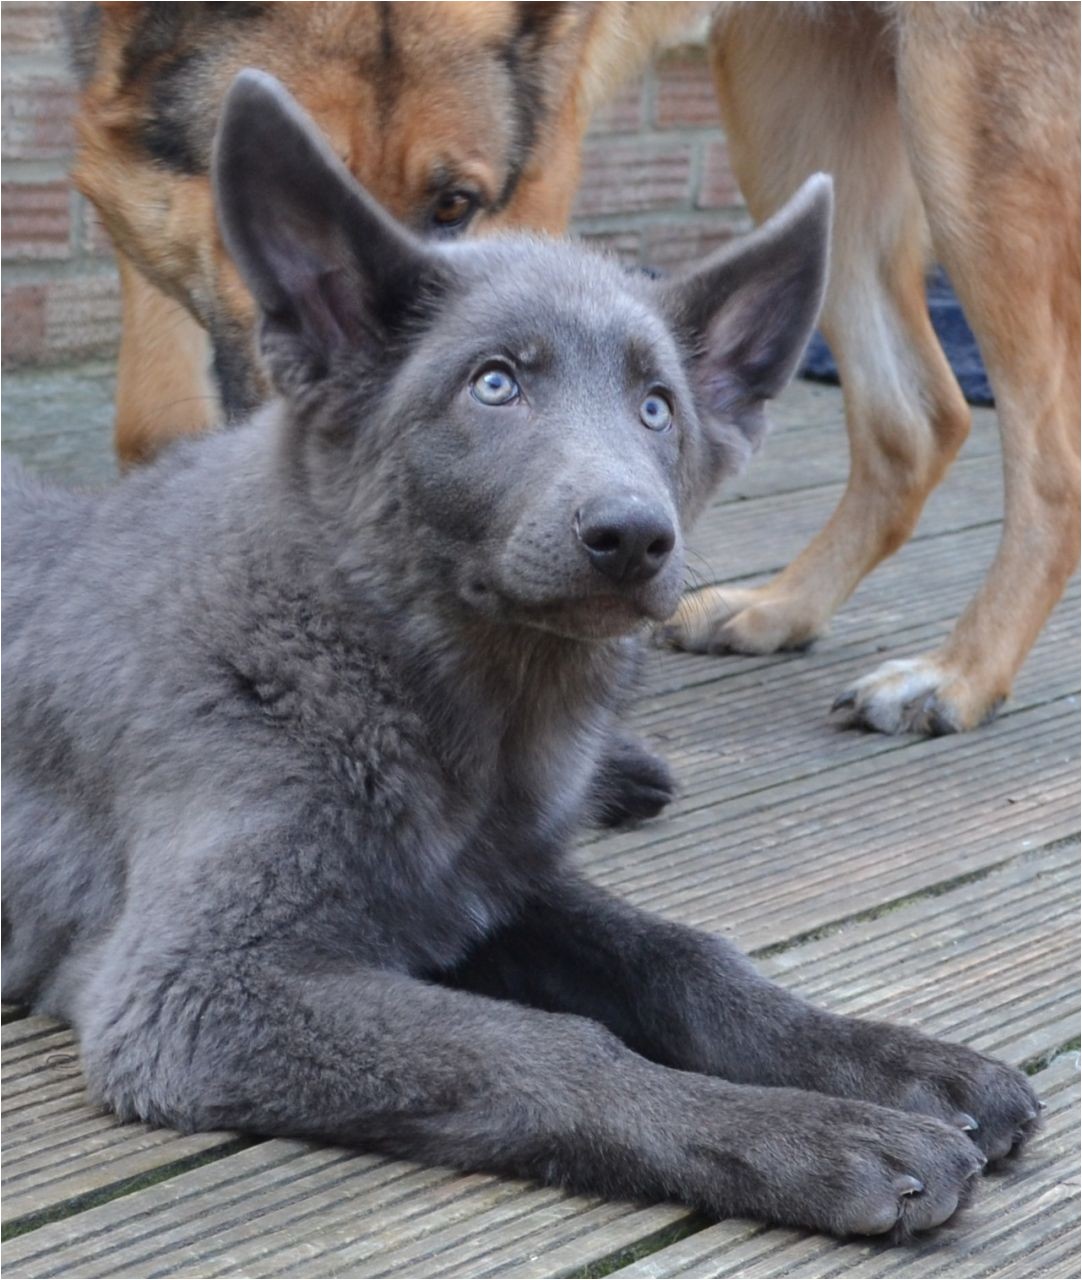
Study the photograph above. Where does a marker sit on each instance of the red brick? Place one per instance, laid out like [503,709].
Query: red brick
[61,319]
[674,243]
[624,114]
[718,187]
[633,175]
[23,324]
[36,219]
[82,317]
[37,112]
[685,94]
[623,244]
[32,28]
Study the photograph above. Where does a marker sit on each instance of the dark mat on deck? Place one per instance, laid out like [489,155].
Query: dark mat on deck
[953,332]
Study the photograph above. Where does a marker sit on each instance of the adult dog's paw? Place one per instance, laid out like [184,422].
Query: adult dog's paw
[916,695]
[740,620]
[632,784]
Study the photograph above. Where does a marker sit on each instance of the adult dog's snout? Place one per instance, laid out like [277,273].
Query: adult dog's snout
[627,537]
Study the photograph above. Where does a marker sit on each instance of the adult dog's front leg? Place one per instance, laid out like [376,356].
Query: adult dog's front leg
[383,1061]
[1002,202]
[692,1001]
[799,95]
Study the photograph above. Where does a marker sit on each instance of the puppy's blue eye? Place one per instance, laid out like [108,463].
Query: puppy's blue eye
[656,412]
[494,386]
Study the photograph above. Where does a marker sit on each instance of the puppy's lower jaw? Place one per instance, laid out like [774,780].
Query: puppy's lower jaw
[603,616]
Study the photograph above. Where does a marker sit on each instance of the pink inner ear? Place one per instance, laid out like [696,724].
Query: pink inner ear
[340,310]
[752,346]
[720,391]
[728,344]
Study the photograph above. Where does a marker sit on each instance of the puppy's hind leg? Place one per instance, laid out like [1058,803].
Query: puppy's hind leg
[990,103]
[802,91]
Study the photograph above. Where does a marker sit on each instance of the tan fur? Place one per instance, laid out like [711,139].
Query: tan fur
[962,119]
[449,108]
[951,131]
[163,370]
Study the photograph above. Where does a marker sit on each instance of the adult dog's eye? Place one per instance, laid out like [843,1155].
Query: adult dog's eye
[494,385]
[656,412]
[454,210]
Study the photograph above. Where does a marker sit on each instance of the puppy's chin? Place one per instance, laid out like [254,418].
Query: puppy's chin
[588,617]
[596,618]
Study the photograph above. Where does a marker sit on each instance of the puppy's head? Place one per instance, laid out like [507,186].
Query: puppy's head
[538,425]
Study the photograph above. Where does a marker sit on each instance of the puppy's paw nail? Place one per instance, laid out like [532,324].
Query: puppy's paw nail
[844,700]
[907,1185]
[966,1122]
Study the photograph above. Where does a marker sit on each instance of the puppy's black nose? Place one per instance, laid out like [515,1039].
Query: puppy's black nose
[628,538]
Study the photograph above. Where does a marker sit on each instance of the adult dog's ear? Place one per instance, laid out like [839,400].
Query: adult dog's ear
[747,312]
[331,271]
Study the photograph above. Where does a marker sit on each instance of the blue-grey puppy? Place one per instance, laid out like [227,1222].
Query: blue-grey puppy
[299,725]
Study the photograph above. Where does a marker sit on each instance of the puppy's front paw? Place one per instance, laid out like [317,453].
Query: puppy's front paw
[898,1175]
[856,1169]
[632,783]
[988,1100]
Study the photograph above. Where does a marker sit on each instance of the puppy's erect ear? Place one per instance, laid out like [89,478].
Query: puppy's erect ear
[747,312]
[330,270]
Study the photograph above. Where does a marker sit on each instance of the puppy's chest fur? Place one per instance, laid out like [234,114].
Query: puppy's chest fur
[452,775]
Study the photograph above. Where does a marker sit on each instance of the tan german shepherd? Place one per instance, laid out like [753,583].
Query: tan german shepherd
[950,129]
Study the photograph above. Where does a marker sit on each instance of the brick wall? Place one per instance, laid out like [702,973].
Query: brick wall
[656,184]
[656,189]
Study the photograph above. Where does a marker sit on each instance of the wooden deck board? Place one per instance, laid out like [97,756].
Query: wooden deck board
[767,864]
[58,1148]
[786,827]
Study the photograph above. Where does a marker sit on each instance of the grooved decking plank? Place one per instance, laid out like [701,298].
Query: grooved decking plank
[761,535]
[990,963]
[732,736]
[59,1148]
[770,864]
[1024,1222]
[993,963]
